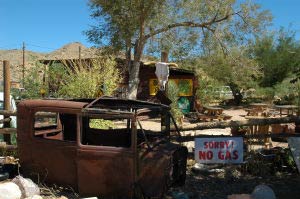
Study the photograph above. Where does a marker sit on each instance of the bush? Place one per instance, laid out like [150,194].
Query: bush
[33,82]
[287,92]
[91,81]
[172,93]
[265,94]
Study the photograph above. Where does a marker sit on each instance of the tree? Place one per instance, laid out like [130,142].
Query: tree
[133,24]
[278,56]
[234,69]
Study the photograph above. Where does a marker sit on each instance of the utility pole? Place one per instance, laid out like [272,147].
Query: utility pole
[6,97]
[23,69]
[79,50]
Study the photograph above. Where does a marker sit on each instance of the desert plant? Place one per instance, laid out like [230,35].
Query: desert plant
[172,93]
[90,80]
[34,81]
[56,73]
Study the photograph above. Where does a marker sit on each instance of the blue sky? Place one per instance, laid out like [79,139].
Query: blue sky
[46,25]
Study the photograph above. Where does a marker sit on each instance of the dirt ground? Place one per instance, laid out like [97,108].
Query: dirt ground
[230,180]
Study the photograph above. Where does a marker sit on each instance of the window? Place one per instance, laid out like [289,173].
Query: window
[115,132]
[55,126]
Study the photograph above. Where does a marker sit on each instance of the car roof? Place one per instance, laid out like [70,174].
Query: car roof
[90,105]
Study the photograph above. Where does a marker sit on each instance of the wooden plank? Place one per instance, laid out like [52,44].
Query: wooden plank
[5,120]
[256,136]
[7,131]
[8,113]
[250,122]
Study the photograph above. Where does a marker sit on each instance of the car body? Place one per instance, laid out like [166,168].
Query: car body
[108,147]
[223,93]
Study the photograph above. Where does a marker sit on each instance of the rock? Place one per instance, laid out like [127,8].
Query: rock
[239,196]
[190,162]
[27,187]
[199,167]
[10,190]
[263,192]
[35,197]
[63,197]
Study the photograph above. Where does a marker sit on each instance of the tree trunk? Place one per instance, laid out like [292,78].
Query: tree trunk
[134,80]
[236,93]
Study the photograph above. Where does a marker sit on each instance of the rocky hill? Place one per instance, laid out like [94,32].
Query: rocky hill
[15,57]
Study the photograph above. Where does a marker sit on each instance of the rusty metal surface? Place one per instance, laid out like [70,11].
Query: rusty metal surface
[62,157]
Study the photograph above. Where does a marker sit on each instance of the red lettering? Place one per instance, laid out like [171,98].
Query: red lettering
[203,155]
[222,145]
[209,155]
[220,155]
[228,155]
[205,145]
[227,144]
[235,155]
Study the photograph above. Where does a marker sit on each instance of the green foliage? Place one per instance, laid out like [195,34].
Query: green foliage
[278,55]
[183,86]
[287,92]
[206,86]
[265,94]
[172,93]
[57,73]
[33,81]
[90,81]
[178,27]
[235,70]
[101,124]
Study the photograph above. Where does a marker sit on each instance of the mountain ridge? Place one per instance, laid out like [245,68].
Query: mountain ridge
[67,51]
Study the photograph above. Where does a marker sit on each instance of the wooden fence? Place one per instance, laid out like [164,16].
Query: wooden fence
[187,138]
[6,131]
[236,124]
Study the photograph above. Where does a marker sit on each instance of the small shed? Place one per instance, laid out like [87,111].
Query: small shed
[185,80]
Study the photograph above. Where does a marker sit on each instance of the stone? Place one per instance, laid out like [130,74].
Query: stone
[27,186]
[35,197]
[263,192]
[10,190]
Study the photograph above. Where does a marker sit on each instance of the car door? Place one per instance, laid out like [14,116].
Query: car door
[105,161]
[53,156]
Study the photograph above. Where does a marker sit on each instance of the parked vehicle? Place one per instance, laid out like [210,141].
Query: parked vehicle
[223,93]
[108,147]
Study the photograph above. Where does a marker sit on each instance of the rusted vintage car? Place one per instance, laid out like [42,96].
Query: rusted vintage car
[107,147]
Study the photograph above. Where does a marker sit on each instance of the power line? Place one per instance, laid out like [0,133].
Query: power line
[38,46]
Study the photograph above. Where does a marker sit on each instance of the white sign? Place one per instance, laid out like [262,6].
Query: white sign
[219,150]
